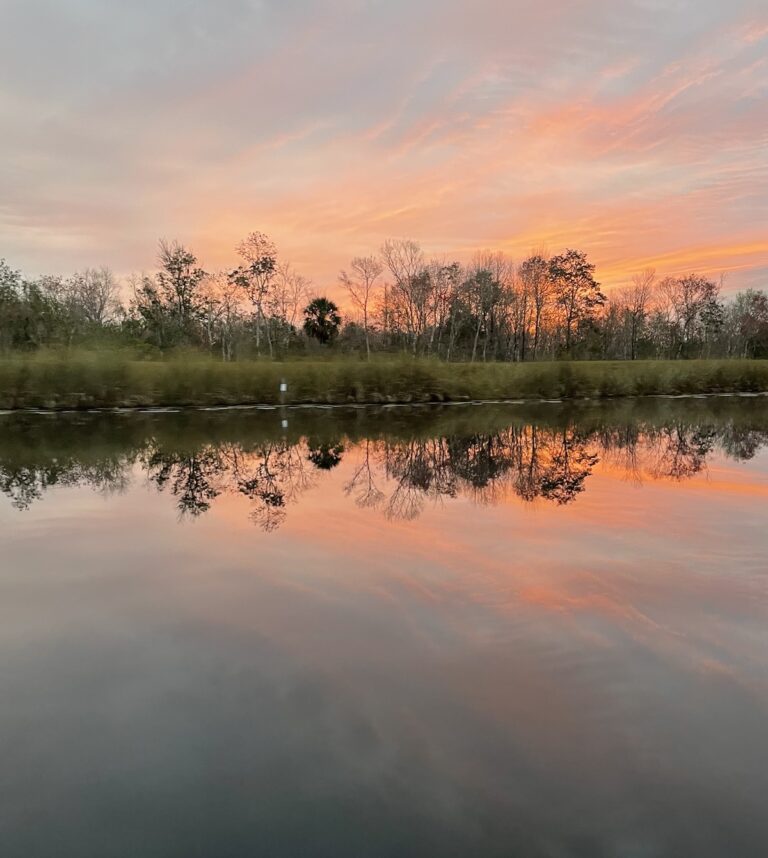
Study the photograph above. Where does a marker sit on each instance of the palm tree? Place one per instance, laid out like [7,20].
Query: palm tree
[322,320]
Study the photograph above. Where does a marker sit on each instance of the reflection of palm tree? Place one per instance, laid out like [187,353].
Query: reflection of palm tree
[324,456]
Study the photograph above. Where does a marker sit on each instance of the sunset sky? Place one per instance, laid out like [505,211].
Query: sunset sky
[636,130]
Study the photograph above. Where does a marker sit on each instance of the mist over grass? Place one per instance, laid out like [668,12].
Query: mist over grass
[108,379]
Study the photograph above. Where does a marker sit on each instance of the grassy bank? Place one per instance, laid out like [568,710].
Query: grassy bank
[96,380]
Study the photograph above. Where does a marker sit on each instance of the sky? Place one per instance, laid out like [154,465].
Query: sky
[636,130]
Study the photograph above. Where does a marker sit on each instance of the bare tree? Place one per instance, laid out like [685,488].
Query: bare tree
[492,292]
[360,285]
[446,287]
[222,299]
[690,302]
[634,301]
[96,292]
[535,281]
[411,287]
[290,293]
[255,277]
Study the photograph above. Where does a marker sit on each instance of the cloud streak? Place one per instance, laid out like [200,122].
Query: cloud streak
[333,124]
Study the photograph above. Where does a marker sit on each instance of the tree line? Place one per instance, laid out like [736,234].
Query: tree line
[544,307]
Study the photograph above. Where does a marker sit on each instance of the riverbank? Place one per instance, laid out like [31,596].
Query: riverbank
[108,380]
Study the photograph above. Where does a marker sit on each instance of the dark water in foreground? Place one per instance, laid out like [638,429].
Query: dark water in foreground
[467,631]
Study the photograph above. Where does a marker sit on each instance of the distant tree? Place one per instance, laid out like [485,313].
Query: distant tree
[166,308]
[11,308]
[633,302]
[750,323]
[149,312]
[222,312]
[692,305]
[96,294]
[411,287]
[534,277]
[482,290]
[49,312]
[492,297]
[577,292]
[359,285]
[180,285]
[289,292]
[446,279]
[256,276]
[322,320]
[547,307]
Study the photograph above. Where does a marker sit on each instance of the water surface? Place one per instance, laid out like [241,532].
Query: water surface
[497,631]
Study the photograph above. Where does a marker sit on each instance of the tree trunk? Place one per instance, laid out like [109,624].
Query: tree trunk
[477,337]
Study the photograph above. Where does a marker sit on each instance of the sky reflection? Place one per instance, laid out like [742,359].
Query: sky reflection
[524,677]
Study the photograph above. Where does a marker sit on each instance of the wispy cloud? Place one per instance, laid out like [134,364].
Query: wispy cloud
[331,124]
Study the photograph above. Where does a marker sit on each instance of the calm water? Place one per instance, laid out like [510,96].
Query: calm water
[466,631]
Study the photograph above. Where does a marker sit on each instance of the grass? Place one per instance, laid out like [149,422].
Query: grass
[112,379]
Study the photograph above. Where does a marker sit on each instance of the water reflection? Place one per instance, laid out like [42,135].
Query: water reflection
[400,460]
[467,633]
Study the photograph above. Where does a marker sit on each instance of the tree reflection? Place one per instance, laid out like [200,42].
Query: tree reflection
[190,477]
[571,462]
[270,476]
[25,483]
[682,452]
[397,474]
[362,486]
[324,455]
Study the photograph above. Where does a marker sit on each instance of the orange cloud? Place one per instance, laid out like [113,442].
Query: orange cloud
[483,134]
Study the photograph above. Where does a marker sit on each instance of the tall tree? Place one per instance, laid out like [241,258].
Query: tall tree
[96,293]
[749,323]
[366,270]
[11,309]
[534,277]
[411,287]
[180,280]
[692,306]
[577,292]
[634,301]
[255,277]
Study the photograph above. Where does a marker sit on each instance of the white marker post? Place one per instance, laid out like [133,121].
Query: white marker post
[283,391]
